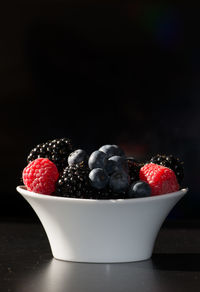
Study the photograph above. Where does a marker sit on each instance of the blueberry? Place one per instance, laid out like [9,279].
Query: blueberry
[115,163]
[77,156]
[111,166]
[118,150]
[139,189]
[98,178]
[119,181]
[111,150]
[97,159]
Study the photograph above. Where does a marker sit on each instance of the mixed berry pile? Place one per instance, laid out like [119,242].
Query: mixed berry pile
[57,168]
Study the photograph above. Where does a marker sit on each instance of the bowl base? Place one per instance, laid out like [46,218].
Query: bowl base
[103,261]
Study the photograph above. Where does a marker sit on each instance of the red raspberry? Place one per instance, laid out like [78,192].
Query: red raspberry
[162,180]
[40,176]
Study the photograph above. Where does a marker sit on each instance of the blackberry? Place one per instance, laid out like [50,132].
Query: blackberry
[104,194]
[74,182]
[171,162]
[56,150]
[133,169]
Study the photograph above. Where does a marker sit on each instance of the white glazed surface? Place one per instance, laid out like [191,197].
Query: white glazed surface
[101,231]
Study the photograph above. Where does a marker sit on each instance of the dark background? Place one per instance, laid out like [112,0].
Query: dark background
[99,72]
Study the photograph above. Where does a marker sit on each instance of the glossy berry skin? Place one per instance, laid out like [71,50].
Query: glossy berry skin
[139,189]
[131,159]
[77,157]
[111,150]
[40,176]
[111,167]
[119,181]
[116,163]
[74,182]
[56,150]
[133,168]
[162,180]
[171,162]
[98,178]
[97,159]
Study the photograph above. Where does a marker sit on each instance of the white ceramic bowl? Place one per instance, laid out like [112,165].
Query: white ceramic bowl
[101,231]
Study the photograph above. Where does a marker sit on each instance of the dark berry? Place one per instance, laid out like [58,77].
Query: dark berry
[111,150]
[139,189]
[98,178]
[131,159]
[119,181]
[56,150]
[116,163]
[111,167]
[97,159]
[133,168]
[77,156]
[74,182]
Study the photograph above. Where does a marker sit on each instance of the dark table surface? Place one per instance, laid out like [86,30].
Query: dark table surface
[26,264]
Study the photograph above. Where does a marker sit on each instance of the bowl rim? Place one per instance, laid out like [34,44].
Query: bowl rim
[22,190]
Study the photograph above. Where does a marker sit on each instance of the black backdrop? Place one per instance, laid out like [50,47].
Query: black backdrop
[99,72]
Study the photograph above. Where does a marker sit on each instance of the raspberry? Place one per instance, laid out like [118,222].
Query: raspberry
[171,162]
[162,180]
[40,176]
